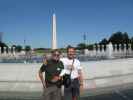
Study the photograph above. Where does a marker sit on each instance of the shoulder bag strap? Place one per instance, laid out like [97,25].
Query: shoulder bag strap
[72,67]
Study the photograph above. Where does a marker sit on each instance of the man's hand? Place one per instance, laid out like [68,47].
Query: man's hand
[55,79]
[44,85]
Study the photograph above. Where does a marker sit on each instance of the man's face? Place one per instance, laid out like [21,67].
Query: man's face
[71,53]
[56,56]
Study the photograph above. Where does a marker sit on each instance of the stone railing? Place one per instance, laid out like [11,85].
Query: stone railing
[110,51]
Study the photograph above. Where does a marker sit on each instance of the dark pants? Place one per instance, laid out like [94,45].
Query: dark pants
[72,90]
[52,93]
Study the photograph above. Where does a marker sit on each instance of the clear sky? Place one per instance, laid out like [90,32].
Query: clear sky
[31,20]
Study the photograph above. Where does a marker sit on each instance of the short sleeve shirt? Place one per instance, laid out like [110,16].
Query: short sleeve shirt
[51,69]
[67,62]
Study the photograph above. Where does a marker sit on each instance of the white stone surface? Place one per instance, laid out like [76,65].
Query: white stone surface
[23,77]
[106,68]
[107,73]
[18,72]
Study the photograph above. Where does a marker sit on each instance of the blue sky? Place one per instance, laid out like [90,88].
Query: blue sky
[31,20]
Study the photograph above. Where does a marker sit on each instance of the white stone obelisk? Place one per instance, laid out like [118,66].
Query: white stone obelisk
[54,40]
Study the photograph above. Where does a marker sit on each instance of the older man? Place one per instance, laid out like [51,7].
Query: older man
[52,69]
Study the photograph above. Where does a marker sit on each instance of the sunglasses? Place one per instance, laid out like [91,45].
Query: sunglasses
[56,55]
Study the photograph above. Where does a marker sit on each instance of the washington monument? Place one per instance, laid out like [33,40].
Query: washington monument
[54,39]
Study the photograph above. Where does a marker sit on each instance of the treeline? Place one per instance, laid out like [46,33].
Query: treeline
[115,38]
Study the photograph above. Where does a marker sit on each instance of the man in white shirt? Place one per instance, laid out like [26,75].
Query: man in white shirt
[72,67]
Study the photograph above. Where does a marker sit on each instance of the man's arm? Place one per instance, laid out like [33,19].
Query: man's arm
[80,77]
[40,73]
[81,81]
[80,69]
[42,78]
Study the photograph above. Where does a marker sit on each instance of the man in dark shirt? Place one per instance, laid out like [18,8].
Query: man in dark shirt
[52,69]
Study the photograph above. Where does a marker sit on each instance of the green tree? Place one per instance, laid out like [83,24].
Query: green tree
[18,48]
[126,39]
[68,46]
[119,38]
[2,45]
[116,38]
[90,47]
[81,46]
[27,48]
[104,41]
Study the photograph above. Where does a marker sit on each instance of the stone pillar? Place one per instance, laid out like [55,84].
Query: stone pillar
[4,49]
[125,50]
[110,50]
[129,46]
[98,50]
[9,50]
[125,47]
[86,52]
[103,52]
[102,46]
[115,45]
[129,49]
[115,51]
[120,50]
[94,50]
[13,51]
